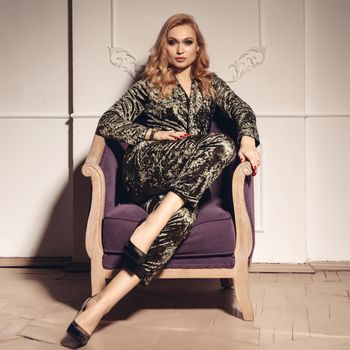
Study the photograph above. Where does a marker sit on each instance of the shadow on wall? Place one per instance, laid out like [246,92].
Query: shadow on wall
[68,221]
[77,195]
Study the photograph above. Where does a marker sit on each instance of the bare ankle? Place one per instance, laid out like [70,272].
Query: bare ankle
[100,303]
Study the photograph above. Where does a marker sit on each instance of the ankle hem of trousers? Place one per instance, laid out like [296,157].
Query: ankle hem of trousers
[136,269]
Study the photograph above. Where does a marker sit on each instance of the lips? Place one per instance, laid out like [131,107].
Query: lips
[180,58]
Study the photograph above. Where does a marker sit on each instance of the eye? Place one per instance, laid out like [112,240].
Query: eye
[188,42]
[171,42]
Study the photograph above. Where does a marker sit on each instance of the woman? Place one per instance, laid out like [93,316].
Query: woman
[172,158]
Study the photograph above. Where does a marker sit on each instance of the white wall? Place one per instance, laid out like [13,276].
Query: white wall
[299,94]
[327,129]
[36,200]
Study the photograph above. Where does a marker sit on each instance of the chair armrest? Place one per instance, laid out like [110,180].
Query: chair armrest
[244,234]
[91,168]
[95,154]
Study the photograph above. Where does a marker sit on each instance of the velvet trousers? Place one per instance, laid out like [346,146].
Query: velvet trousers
[186,167]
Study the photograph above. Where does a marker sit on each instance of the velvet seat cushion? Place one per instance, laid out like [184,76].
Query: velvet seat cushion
[209,244]
[211,233]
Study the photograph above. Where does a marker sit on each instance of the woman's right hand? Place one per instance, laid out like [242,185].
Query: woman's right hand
[169,135]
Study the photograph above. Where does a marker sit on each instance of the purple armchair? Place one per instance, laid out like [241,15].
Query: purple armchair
[222,238]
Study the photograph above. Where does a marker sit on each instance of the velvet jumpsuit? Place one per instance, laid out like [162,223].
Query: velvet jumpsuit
[185,166]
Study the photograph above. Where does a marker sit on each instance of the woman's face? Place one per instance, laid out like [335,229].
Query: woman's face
[182,46]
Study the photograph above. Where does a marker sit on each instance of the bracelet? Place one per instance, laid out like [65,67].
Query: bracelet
[152,134]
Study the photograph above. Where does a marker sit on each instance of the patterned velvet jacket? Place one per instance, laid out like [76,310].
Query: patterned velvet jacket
[178,112]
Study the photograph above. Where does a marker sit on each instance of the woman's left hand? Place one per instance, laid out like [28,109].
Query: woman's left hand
[249,152]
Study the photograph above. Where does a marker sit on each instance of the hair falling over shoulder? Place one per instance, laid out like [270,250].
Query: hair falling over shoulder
[161,74]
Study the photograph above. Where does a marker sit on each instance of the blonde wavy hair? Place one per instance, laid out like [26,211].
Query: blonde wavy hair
[161,74]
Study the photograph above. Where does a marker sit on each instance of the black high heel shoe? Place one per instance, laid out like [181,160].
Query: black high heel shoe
[134,253]
[77,332]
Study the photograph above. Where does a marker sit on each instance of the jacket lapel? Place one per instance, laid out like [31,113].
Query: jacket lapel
[193,103]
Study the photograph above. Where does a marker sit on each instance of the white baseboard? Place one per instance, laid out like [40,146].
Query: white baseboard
[69,265]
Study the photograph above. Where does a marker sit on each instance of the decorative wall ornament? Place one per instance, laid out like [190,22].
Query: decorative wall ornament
[246,62]
[123,59]
[251,58]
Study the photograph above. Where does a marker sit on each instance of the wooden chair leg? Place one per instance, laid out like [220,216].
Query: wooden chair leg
[98,275]
[242,292]
[226,283]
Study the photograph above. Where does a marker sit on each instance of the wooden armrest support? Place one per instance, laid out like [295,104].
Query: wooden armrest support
[95,154]
[91,168]
[244,238]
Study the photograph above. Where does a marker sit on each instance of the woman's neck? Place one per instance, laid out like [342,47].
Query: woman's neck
[184,75]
